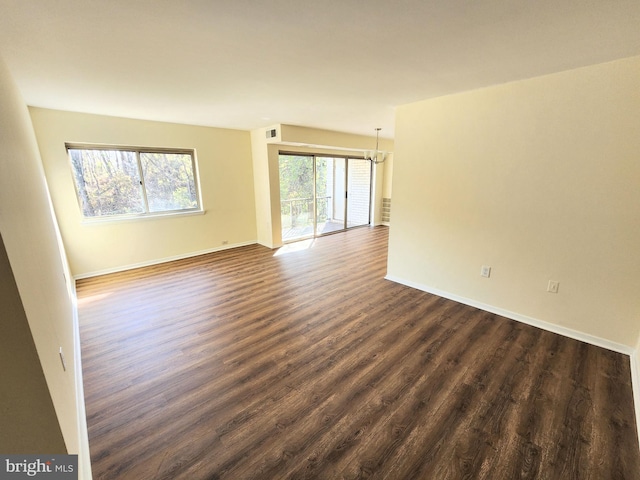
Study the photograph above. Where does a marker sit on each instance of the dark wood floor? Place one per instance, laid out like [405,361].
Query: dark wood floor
[242,364]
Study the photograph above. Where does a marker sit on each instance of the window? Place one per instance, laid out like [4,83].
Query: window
[116,181]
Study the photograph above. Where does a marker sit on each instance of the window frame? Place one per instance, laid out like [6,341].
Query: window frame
[137,150]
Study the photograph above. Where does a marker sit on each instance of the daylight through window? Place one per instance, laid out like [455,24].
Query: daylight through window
[116,181]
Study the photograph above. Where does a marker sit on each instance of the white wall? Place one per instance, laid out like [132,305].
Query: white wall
[539,179]
[226,181]
[31,239]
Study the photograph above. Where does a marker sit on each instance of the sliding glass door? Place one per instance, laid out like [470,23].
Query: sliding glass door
[321,194]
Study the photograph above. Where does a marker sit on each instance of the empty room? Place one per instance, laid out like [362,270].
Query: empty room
[321,240]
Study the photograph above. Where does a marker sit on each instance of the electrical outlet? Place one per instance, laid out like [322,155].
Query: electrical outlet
[485,271]
[553,286]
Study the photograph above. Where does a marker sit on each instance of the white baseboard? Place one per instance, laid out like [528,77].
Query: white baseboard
[161,260]
[551,327]
[84,457]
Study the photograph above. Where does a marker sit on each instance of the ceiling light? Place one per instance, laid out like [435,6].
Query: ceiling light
[376,156]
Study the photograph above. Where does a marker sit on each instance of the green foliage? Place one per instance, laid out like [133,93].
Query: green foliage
[297,188]
[109,182]
[168,179]
[296,177]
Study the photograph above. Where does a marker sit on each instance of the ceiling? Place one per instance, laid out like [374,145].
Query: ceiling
[334,64]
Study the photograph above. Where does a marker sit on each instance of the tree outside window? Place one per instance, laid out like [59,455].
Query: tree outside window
[133,182]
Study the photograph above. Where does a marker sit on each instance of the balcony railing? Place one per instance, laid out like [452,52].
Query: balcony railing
[299,211]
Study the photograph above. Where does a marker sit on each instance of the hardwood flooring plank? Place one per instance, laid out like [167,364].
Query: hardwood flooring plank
[258,364]
[378,395]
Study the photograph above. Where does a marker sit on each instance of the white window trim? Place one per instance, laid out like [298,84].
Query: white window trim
[138,217]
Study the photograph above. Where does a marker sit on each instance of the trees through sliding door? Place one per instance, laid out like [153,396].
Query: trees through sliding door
[321,194]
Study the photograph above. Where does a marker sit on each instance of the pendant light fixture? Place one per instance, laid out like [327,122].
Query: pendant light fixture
[376,156]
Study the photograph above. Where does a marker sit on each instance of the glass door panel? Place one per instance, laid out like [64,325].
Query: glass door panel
[359,197]
[297,196]
[330,183]
[322,195]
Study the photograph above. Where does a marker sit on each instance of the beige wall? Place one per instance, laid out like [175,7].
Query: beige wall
[266,192]
[635,377]
[226,182]
[273,159]
[331,139]
[29,421]
[388,177]
[539,179]
[31,239]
